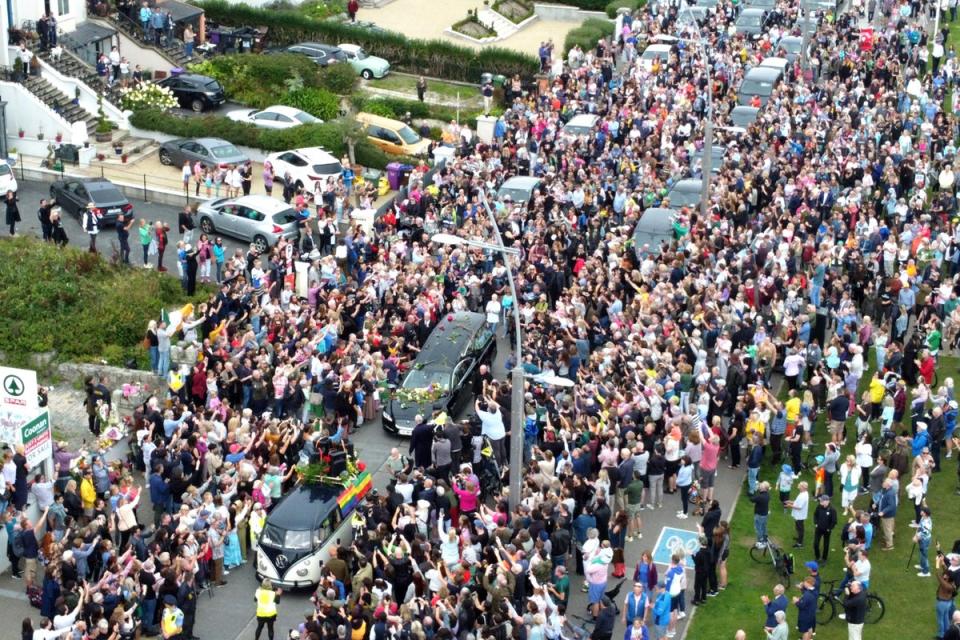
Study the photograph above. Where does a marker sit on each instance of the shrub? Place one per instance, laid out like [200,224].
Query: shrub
[587,34]
[147,95]
[338,78]
[257,80]
[633,5]
[437,58]
[316,102]
[76,303]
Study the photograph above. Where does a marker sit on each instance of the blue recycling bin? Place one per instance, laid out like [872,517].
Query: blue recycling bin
[393,175]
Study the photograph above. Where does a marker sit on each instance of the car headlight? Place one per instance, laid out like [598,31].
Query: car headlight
[302,573]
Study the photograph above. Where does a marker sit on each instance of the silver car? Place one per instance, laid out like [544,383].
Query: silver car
[259,219]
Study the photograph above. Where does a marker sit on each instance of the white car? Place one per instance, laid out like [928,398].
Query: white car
[8,182]
[275,117]
[306,166]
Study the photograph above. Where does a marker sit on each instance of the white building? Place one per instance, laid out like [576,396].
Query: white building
[18,14]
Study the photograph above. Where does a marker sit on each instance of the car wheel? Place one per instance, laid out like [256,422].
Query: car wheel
[206,225]
[165,158]
[261,244]
[197,105]
[367,74]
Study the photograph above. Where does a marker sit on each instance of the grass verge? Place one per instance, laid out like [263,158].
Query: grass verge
[408,84]
[909,599]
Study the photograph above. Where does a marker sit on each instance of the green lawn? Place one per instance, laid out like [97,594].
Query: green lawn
[408,84]
[909,599]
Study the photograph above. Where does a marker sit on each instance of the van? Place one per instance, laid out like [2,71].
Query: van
[658,51]
[302,528]
[760,81]
[393,136]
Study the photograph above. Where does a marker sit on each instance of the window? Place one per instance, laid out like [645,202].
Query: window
[63,7]
[265,115]
[480,340]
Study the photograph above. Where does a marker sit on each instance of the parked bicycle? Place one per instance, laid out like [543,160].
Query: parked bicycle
[831,599]
[774,554]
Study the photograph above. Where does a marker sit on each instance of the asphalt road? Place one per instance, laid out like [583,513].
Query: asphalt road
[31,192]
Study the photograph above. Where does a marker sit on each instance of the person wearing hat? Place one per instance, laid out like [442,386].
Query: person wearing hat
[171,620]
[266,598]
[824,521]
[90,220]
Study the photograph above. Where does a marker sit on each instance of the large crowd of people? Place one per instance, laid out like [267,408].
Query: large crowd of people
[828,237]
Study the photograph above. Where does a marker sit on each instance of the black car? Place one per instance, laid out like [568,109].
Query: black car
[194,91]
[74,194]
[443,373]
[323,54]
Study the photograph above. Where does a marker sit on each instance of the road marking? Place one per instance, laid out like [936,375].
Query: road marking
[14,595]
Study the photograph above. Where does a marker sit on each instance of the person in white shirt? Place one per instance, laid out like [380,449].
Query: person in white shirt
[492,427]
[493,309]
[799,507]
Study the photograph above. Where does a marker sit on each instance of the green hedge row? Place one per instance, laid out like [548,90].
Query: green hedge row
[633,5]
[437,58]
[587,34]
[329,135]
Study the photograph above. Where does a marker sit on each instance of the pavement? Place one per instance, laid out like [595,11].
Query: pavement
[418,19]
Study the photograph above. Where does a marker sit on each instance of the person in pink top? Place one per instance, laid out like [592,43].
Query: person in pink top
[708,466]
[468,496]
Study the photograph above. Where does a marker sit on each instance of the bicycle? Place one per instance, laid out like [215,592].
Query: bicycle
[829,600]
[773,553]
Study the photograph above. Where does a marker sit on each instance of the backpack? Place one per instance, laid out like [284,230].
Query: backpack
[35,596]
[17,544]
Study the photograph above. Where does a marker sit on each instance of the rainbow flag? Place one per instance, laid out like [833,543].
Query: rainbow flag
[354,493]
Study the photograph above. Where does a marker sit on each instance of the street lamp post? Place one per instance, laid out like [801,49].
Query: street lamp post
[516,374]
[706,165]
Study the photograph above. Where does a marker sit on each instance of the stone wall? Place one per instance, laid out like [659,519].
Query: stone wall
[565,13]
[116,376]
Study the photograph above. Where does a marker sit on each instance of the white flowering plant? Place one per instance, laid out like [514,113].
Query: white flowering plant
[146,95]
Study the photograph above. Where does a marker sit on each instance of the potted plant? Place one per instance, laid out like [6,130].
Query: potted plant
[20,133]
[123,158]
[40,134]
[59,137]
[76,96]
[118,148]
[101,157]
[104,129]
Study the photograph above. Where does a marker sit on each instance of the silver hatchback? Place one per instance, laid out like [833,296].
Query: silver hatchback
[259,219]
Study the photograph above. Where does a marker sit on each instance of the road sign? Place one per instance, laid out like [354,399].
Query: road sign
[37,440]
[18,402]
[670,540]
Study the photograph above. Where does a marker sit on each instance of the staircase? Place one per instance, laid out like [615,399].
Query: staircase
[72,66]
[501,25]
[60,102]
[172,52]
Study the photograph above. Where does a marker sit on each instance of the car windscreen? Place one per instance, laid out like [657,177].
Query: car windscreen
[5,169]
[742,118]
[212,85]
[285,217]
[517,195]
[306,118]
[576,131]
[272,536]
[756,87]
[328,168]
[408,135]
[423,378]
[225,151]
[750,21]
[361,54]
[683,198]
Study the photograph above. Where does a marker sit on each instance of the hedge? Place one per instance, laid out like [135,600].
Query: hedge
[437,58]
[633,5]
[76,303]
[587,34]
[328,135]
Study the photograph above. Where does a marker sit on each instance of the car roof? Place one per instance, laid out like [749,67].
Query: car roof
[262,203]
[315,45]
[658,47]
[763,73]
[210,142]
[305,507]
[313,154]
[372,118]
[742,108]
[795,39]
[193,76]
[346,46]
[449,338]
[656,218]
[97,183]
[774,62]
[688,184]
[583,120]
[283,110]
[753,11]
[520,182]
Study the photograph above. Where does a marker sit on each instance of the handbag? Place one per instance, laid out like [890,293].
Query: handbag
[152,249]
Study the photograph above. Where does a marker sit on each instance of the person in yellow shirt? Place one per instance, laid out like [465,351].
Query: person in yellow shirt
[877,392]
[88,493]
[755,427]
[792,408]
[266,598]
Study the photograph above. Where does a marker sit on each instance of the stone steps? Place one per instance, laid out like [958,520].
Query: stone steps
[60,102]
[501,25]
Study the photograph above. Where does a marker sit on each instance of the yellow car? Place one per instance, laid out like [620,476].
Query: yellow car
[393,136]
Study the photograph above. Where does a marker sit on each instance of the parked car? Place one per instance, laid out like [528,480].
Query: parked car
[8,181]
[775,62]
[653,52]
[74,194]
[760,82]
[275,117]
[743,116]
[686,193]
[306,166]
[393,136]
[323,54]
[654,228]
[579,125]
[194,91]
[753,22]
[695,16]
[259,219]
[717,157]
[448,363]
[211,152]
[792,46]
[363,63]
[518,188]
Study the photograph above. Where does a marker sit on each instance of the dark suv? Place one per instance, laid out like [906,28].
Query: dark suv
[195,91]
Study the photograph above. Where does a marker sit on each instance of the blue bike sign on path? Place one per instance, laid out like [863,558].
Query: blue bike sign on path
[671,540]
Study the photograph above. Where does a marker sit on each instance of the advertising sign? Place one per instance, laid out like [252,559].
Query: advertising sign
[18,402]
[37,440]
